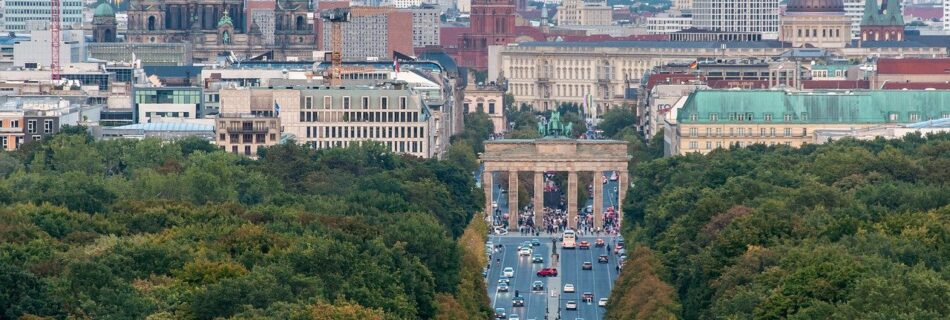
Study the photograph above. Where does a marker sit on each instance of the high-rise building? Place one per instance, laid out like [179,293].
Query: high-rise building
[425,25]
[854,10]
[17,13]
[372,32]
[737,16]
[817,23]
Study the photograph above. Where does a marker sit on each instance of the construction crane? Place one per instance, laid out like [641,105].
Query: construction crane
[54,39]
[336,17]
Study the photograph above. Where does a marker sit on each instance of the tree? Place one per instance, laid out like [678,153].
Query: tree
[617,120]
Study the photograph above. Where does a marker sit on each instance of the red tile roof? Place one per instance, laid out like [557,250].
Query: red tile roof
[914,66]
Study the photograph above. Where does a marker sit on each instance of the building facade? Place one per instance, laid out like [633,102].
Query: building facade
[882,23]
[492,22]
[665,25]
[372,32]
[737,16]
[854,10]
[18,12]
[425,26]
[489,100]
[246,134]
[816,23]
[104,25]
[11,129]
[218,26]
[152,103]
[584,13]
[723,118]
[35,52]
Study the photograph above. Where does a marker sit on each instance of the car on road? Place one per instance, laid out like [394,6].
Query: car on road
[537,286]
[569,288]
[513,317]
[584,245]
[525,252]
[504,281]
[571,305]
[535,242]
[603,258]
[494,204]
[503,288]
[500,313]
[602,302]
[537,259]
[517,302]
[599,243]
[588,297]
[547,272]
[587,266]
[508,272]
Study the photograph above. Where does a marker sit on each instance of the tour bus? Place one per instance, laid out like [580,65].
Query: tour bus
[569,239]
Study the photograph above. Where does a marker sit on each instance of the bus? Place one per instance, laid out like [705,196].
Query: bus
[568,241]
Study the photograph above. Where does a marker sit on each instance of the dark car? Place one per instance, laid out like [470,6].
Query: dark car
[500,313]
[588,297]
[537,259]
[587,265]
[535,242]
[584,245]
[537,286]
[599,243]
[603,258]
[547,272]
[517,302]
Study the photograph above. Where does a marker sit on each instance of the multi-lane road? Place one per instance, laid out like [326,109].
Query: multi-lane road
[598,281]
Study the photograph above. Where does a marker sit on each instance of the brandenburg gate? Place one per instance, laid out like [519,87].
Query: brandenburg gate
[554,154]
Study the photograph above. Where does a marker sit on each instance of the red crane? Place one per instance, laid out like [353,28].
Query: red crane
[54,39]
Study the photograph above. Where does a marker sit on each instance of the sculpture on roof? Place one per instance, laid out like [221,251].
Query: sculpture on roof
[554,127]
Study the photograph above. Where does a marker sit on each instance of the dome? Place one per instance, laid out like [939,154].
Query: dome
[815,6]
[104,9]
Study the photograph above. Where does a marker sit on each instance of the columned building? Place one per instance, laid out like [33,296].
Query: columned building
[816,23]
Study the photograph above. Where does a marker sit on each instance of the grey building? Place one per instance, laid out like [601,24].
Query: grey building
[18,12]
[425,25]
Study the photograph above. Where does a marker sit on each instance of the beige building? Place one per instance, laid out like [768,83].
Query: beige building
[713,119]
[490,100]
[11,129]
[816,23]
[245,133]
[584,13]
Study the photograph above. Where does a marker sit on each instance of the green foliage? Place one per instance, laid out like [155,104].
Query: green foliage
[847,230]
[143,229]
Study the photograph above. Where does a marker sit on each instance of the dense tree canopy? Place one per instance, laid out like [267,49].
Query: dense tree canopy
[846,230]
[128,229]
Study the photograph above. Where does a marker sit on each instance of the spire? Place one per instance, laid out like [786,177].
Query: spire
[894,15]
[871,11]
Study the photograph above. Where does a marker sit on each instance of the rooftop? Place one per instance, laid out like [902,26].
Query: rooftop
[168,126]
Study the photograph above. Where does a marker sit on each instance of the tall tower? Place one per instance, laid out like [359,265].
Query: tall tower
[884,23]
[103,23]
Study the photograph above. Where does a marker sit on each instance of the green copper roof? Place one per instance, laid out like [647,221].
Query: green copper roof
[889,15]
[104,9]
[871,106]
[225,20]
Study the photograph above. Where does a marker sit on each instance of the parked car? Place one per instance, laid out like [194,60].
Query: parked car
[537,286]
[587,266]
[568,288]
[547,272]
[602,258]
[571,305]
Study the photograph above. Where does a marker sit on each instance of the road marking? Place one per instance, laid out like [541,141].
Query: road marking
[500,268]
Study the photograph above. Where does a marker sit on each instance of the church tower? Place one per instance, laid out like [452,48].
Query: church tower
[882,23]
[103,23]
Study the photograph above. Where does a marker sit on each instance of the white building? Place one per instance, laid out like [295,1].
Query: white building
[854,9]
[406,3]
[35,53]
[584,13]
[18,12]
[737,16]
[664,25]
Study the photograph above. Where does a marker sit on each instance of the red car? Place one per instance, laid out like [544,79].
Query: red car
[547,272]
[585,245]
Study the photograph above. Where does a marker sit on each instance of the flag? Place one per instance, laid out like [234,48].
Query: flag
[395,65]
[694,65]
[276,109]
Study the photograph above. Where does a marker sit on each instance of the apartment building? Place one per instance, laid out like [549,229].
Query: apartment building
[246,134]
[737,16]
[491,101]
[18,12]
[712,119]
[584,13]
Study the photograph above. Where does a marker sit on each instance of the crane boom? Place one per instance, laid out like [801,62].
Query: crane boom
[54,39]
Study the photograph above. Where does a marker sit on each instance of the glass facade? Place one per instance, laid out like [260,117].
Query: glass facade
[101,79]
[174,96]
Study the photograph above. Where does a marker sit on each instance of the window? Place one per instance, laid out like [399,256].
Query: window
[768,117]
[804,116]
[772,132]
[365,103]
[384,103]
[403,103]
[788,132]
[31,126]
[346,103]
[15,124]
[892,117]
[308,102]
[748,116]
[914,117]
[788,117]
[804,132]
[741,117]
[3,142]
[693,117]
[327,102]
[693,145]
[762,132]
[693,132]
[708,145]
[713,117]
[741,131]
[718,131]
[491,108]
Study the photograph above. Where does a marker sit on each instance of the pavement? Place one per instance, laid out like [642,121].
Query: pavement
[552,300]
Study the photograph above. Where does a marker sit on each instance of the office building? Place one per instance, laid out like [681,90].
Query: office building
[35,53]
[425,26]
[245,133]
[18,12]
[667,24]
[176,103]
[714,119]
[737,16]
[584,13]
[372,32]
[854,10]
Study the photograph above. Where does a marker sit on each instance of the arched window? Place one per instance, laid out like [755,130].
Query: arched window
[151,23]
[107,36]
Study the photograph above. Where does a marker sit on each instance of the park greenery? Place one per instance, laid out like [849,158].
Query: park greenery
[126,229]
[846,230]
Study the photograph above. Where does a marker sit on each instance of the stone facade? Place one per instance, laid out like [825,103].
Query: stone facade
[245,133]
[584,13]
[816,23]
[490,100]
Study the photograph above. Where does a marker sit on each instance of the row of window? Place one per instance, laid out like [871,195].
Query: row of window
[168,114]
[246,138]
[364,102]
[42,3]
[168,96]
[359,116]
[366,132]
[788,117]
[17,141]
[693,145]
[744,132]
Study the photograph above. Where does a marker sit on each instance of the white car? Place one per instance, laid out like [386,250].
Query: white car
[525,251]
[494,204]
[571,305]
[509,272]
[569,288]
[602,302]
